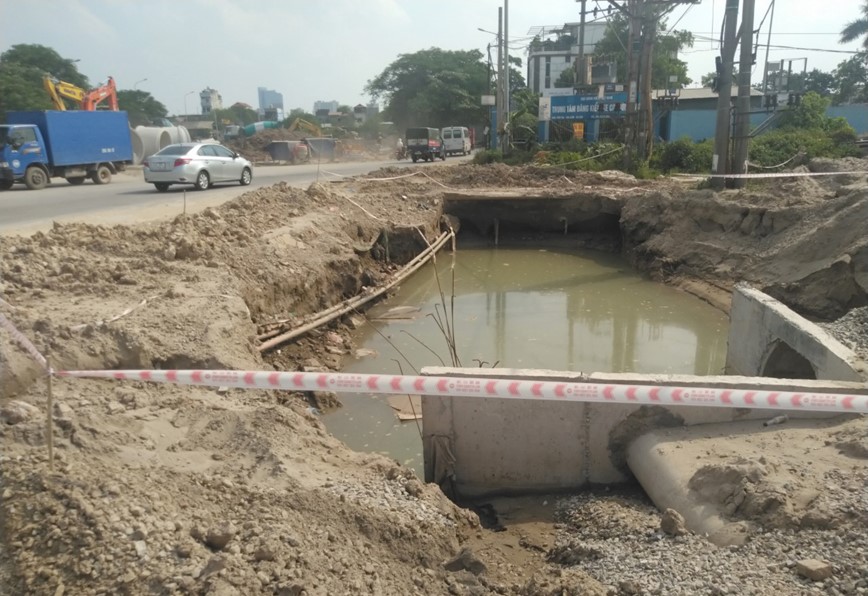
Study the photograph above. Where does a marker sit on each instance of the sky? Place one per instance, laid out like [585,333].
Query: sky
[312,50]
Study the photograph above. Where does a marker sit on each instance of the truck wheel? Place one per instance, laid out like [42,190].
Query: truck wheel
[103,175]
[203,180]
[161,186]
[415,159]
[6,184]
[35,178]
[247,176]
[76,180]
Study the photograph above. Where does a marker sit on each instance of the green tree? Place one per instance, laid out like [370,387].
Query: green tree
[850,80]
[21,70]
[857,27]
[238,113]
[810,113]
[141,107]
[299,113]
[432,87]
[664,56]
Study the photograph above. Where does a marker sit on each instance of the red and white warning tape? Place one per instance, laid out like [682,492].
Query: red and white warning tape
[775,175]
[494,388]
[22,340]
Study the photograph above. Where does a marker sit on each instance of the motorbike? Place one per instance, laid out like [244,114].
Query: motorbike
[401,153]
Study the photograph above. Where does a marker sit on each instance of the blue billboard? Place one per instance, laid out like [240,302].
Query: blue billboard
[588,107]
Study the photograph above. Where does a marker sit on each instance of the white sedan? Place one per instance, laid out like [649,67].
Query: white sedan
[199,164]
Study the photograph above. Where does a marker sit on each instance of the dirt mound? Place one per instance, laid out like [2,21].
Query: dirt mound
[253,147]
[802,249]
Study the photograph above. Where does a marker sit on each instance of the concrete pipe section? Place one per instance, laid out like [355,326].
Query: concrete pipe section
[148,140]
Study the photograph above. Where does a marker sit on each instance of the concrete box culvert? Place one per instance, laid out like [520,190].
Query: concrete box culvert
[512,446]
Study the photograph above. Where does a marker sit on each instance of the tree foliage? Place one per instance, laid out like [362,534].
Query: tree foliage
[857,27]
[432,87]
[21,70]
[237,113]
[141,107]
[664,56]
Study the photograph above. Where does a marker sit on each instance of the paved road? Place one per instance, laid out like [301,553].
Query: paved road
[129,200]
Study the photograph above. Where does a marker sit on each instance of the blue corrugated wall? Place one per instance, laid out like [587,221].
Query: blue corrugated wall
[700,124]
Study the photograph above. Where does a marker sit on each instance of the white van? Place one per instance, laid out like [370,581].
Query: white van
[456,139]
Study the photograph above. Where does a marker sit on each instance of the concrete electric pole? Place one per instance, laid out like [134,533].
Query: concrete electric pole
[720,158]
[741,141]
[506,123]
[498,101]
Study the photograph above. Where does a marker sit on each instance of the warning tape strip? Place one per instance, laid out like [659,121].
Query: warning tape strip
[23,341]
[774,174]
[494,388]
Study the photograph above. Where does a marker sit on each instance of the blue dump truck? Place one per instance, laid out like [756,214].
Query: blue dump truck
[76,145]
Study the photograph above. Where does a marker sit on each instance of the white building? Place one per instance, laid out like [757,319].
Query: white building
[556,49]
[211,100]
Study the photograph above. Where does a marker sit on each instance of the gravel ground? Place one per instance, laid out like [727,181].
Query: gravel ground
[852,330]
[617,539]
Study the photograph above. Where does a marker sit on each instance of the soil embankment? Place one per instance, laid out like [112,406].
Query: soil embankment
[165,490]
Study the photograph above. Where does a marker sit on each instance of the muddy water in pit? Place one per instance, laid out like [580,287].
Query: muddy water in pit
[524,308]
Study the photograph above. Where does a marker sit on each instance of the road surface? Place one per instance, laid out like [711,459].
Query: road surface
[128,199]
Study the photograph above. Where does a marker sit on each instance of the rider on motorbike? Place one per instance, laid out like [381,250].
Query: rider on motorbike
[400,149]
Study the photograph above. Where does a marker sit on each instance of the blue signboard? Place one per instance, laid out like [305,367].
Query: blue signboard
[588,107]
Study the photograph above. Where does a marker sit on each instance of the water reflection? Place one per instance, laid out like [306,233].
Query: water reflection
[525,308]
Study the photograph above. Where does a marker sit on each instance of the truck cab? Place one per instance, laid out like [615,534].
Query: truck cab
[20,146]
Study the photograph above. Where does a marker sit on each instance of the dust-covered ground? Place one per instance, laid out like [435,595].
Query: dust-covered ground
[175,490]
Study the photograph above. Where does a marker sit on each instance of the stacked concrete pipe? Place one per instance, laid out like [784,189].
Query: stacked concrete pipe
[148,140]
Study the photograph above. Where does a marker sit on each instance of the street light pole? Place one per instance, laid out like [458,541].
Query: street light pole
[136,84]
[185,103]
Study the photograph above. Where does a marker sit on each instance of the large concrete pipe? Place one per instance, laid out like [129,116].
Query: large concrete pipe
[138,147]
[154,138]
[666,481]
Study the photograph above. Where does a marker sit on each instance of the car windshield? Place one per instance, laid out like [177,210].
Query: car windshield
[175,150]
[4,130]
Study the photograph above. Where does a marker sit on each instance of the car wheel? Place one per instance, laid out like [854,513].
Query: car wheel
[35,178]
[247,176]
[103,175]
[76,180]
[161,186]
[203,180]
[6,184]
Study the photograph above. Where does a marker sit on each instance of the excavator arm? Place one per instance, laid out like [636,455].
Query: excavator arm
[96,96]
[58,90]
[85,100]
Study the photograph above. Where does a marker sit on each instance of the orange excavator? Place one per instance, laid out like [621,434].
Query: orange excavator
[86,100]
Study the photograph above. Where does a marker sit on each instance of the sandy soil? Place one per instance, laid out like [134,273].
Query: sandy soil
[175,490]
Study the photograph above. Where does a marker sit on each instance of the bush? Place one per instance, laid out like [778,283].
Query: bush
[487,156]
[683,155]
[777,147]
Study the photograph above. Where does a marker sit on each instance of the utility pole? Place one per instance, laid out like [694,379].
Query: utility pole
[633,40]
[498,101]
[742,104]
[506,123]
[580,63]
[649,32]
[720,158]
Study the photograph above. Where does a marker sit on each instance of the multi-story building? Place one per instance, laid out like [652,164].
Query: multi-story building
[331,106]
[269,100]
[210,100]
[556,49]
